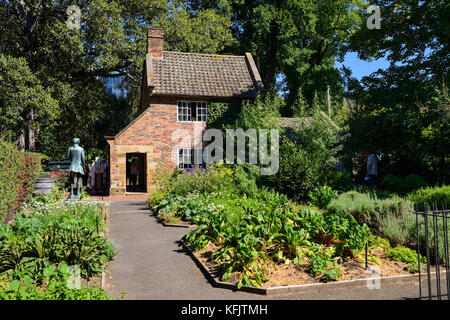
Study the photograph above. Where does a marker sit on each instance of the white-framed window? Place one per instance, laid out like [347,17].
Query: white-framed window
[184,111]
[189,158]
[192,111]
[202,111]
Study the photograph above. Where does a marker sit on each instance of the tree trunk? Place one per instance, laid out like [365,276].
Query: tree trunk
[269,77]
[29,135]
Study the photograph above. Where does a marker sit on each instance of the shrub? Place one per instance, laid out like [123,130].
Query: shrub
[217,177]
[404,254]
[17,178]
[431,236]
[62,180]
[310,162]
[430,195]
[339,180]
[223,114]
[373,193]
[403,186]
[322,196]
[390,217]
[298,173]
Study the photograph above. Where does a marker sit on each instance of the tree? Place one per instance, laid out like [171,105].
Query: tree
[110,42]
[25,105]
[298,38]
[389,114]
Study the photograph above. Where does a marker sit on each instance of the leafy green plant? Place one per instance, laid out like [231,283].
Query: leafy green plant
[404,254]
[51,231]
[322,196]
[53,286]
[320,261]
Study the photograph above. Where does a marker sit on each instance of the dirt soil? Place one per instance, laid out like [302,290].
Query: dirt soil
[290,274]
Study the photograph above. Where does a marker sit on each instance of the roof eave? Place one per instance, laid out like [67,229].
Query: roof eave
[254,72]
[192,96]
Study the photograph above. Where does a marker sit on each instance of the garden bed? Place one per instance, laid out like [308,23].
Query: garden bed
[51,235]
[289,274]
[283,283]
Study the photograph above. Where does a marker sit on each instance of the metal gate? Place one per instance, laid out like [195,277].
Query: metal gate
[432,242]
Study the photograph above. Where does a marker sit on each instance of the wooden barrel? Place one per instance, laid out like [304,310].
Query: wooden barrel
[44,185]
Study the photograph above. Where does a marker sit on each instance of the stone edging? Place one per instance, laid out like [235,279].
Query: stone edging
[302,288]
[179,225]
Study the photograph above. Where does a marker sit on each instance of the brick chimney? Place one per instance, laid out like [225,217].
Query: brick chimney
[155,39]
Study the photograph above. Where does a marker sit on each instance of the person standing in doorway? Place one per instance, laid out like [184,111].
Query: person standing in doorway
[133,173]
[372,169]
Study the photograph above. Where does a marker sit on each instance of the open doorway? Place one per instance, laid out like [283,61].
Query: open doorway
[136,172]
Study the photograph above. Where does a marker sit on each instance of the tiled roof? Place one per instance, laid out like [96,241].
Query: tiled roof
[207,75]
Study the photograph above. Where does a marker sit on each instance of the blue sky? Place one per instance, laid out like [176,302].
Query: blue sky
[361,68]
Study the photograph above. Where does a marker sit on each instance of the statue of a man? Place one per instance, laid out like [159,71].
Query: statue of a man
[76,155]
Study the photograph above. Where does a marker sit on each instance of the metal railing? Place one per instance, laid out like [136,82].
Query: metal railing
[432,240]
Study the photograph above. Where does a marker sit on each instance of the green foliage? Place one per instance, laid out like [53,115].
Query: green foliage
[62,181]
[52,233]
[24,101]
[373,193]
[403,110]
[59,72]
[20,286]
[253,230]
[17,178]
[223,114]
[204,31]
[433,226]
[298,173]
[263,113]
[217,177]
[309,163]
[390,217]
[403,186]
[404,254]
[320,260]
[322,196]
[430,195]
[340,180]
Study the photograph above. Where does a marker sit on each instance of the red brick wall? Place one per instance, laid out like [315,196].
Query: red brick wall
[155,127]
[155,39]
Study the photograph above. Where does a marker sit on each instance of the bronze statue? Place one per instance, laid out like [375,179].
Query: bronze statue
[76,155]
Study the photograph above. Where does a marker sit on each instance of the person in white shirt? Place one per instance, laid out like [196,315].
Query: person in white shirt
[372,169]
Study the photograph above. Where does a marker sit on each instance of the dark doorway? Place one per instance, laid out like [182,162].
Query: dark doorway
[136,172]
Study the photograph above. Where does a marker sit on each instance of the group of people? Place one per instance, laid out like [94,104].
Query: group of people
[371,168]
[97,174]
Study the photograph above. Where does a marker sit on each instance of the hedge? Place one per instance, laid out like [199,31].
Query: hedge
[440,195]
[18,174]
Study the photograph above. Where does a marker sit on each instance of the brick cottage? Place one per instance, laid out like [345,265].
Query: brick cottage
[176,89]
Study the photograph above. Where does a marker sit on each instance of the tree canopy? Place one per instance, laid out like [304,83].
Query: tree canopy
[67,64]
